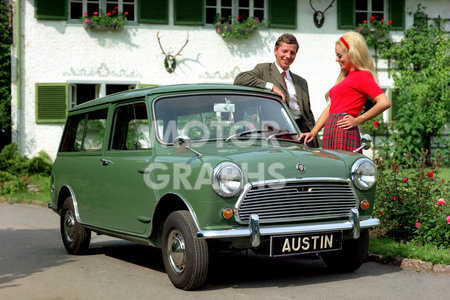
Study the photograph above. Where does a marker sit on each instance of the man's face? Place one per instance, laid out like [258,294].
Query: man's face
[285,55]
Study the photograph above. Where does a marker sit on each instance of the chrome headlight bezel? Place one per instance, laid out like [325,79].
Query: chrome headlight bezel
[227,179]
[364,174]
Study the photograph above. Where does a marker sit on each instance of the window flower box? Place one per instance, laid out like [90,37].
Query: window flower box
[240,28]
[112,20]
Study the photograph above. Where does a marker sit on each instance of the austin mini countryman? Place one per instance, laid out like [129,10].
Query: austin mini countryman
[197,168]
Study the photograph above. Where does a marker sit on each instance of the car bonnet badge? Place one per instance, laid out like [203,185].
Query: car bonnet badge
[301,168]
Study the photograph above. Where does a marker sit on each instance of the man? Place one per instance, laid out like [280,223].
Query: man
[276,77]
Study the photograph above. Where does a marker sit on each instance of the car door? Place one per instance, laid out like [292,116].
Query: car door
[127,200]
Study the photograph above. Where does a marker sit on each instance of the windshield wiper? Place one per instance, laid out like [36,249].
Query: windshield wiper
[281,133]
[245,133]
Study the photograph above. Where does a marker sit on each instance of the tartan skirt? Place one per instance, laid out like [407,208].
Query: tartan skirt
[336,138]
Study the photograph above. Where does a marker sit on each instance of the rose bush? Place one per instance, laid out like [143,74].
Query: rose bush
[412,204]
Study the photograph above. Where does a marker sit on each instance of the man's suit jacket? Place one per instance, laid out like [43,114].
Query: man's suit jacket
[268,72]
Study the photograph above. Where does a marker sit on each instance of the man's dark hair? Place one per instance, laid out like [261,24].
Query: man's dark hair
[286,38]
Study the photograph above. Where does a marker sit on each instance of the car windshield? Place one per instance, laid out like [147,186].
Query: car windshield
[220,116]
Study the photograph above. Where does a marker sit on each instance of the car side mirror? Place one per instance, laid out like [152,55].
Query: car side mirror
[182,144]
[366,142]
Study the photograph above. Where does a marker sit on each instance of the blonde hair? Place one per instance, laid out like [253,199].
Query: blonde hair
[358,54]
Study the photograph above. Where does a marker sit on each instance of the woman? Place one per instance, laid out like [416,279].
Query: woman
[356,82]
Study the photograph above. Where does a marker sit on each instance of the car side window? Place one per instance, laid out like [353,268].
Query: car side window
[131,129]
[85,132]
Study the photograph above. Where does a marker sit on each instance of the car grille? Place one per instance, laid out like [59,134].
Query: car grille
[296,201]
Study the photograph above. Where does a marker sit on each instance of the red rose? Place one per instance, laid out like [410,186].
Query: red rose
[430,174]
[382,20]
[376,124]
[405,179]
[95,13]
[365,21]
[108,14]
[372,17]
[390,22]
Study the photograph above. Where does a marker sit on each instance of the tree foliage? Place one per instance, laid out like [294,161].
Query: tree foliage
[5,72]
[422,81]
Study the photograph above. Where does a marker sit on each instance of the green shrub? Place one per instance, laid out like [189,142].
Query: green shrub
[412,204]
[39,165]
[10,184]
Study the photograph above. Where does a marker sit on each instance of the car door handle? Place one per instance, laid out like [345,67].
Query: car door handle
[143,171]
[105,161]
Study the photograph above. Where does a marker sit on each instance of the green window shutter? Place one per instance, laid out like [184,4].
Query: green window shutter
[189,12]
[393,95]
[283,14]
[397,14]
[51,102]
[154,11]
[346,14]
[50,9]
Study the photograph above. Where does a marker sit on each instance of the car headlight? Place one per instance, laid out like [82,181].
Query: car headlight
[364,174]
[227,179]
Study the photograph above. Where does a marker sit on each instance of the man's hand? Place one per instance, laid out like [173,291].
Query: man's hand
[279,92]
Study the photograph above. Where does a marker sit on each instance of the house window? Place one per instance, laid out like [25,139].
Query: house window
[353,12]
[82,92]
[78,7]
[366,9]
[234,8]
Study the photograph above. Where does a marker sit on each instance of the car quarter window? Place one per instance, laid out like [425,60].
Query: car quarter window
[85,132]
[131,129]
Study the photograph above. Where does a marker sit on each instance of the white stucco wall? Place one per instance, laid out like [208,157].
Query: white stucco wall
[60,52]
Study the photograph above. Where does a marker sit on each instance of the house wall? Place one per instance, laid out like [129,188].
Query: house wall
[63,51]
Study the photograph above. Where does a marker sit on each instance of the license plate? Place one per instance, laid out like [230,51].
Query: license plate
[281,245]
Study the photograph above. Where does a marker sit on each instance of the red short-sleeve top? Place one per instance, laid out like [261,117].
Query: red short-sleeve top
[351,93]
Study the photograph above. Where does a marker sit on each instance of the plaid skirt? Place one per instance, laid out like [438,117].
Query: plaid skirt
[336,138]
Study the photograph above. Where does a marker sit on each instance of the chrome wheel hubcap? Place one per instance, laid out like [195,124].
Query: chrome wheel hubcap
[69,226]
[176,251]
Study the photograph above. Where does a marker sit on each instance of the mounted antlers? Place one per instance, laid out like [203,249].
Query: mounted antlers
[169,60]
[319,16]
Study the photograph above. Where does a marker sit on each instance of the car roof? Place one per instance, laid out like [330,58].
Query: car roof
[170,89]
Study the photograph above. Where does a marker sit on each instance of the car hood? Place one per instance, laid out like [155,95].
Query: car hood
[286,160]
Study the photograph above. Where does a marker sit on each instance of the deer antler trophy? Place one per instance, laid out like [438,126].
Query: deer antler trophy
[319,16]
[169,60]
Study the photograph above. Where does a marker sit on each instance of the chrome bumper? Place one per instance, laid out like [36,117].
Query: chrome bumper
[254,231]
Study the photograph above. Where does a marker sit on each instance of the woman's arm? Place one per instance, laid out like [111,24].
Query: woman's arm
[382,103]
[309,136]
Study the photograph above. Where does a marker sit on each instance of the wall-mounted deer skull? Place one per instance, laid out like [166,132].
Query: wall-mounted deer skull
[319,16]
[169,61]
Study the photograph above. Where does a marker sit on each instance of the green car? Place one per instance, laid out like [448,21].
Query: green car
[197,168]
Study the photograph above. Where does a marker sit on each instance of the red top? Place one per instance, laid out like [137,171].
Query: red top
[351,93]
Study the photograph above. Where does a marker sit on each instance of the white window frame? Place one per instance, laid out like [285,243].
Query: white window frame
[100,88]
[235,8]
[370,12]
[102,6]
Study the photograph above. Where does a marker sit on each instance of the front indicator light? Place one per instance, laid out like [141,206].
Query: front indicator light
[227,213]
[365,205]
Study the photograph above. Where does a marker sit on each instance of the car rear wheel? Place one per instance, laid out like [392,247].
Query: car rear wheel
[185,256]
[352,255]
[75,237]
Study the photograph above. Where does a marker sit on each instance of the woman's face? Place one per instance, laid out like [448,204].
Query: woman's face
[342,59]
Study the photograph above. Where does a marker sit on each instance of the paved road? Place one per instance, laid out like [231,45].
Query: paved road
[34,265]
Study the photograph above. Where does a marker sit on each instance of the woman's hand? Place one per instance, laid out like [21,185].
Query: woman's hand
[348,122]
[307,136]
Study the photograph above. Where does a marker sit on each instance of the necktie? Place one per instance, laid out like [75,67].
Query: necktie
[282,75]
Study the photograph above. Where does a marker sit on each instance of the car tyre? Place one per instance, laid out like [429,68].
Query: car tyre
[185,256]
[75,237]
[352,255]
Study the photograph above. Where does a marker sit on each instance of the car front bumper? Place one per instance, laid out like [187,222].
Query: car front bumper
[254,230]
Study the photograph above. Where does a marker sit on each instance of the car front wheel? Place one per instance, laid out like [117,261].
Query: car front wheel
[352,255]
[75,237]
[185,256]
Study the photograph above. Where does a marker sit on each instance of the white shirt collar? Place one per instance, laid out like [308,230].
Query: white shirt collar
[280,69]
